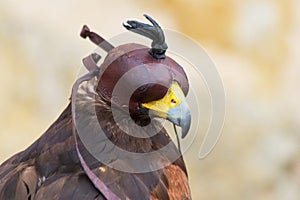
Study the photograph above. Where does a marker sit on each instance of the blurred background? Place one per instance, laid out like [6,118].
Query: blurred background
[254,43]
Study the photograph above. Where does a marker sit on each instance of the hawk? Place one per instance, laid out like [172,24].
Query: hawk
[61,165]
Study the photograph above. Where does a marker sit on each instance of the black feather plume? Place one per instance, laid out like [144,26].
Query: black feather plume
[154,32]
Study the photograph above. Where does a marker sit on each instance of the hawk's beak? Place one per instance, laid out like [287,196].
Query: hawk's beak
[173,107]
[181,116]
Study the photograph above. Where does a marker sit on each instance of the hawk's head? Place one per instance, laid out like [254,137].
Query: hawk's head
[144,80]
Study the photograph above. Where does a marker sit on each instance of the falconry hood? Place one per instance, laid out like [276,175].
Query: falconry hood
[155,82]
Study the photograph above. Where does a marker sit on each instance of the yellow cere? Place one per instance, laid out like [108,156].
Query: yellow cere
[172,99]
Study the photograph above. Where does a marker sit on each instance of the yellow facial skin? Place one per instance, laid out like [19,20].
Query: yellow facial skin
[172,99]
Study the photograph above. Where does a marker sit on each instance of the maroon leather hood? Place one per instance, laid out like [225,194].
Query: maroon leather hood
[151,77]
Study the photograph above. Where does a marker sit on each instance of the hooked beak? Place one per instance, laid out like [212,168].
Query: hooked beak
[181,116]
[173,107]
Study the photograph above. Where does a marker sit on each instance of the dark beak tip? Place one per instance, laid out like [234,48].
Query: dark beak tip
[181,116]
[185,130]
[183,135]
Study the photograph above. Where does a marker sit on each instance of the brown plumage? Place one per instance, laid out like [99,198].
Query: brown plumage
[51,169]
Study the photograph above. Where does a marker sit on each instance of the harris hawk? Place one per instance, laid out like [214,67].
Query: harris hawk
[87,152]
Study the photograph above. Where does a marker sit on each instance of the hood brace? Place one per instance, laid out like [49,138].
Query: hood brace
[90,64]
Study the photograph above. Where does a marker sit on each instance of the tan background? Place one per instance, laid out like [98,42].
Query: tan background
[256,47]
